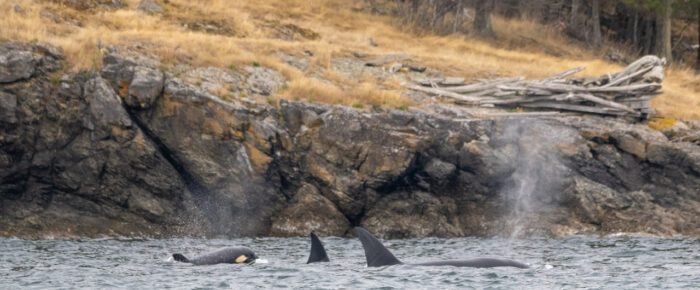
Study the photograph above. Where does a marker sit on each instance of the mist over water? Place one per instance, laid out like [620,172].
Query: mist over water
[539,175]
[619,262]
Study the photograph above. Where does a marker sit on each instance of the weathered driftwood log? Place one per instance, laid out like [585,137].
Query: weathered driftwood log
[387,59]
[626,93]
[449,81]
[434,91]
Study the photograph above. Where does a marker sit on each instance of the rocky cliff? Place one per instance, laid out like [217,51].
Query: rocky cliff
[131,150]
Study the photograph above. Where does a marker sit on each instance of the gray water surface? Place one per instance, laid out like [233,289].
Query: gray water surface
[572,262]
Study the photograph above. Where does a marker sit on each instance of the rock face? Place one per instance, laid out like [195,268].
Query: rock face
[150,7]
[134,151]
[72,161]
[15,64]
[92,4]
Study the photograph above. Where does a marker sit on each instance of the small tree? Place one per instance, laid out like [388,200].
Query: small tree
[689,10]
[596,39]
[663,9]
[482,19]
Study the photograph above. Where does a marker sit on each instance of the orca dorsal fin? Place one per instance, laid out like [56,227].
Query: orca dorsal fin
[318,253]
[180,258]
[377,255]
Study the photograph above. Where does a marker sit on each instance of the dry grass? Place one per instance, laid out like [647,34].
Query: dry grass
[244,35]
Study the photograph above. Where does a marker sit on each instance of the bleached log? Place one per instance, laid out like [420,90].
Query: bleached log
[483,86]
[440,92]
[564,74]
[604,102]
[572,88]
[627,77]
[449,81]
[626,93]
[521,114]
[387,59]
[452,81]
[576,108]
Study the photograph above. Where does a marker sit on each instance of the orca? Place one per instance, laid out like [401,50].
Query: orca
[377,256]
[231,255]
[318,253]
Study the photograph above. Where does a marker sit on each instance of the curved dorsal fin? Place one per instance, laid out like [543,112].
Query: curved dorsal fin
[377,255]
[318,253]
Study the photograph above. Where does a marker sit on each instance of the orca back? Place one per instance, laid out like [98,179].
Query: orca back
[377,255]
[318,253]
[229,255]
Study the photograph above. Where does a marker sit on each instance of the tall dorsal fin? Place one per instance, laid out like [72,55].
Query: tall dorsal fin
[318,253]
[377,255]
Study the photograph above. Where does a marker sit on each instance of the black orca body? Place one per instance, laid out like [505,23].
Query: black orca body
[318,253]
[232,255]
[377,255]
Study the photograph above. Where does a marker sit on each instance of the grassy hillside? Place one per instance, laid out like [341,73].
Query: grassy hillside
[232,34]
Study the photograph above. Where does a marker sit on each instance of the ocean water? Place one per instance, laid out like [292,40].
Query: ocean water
[616,262]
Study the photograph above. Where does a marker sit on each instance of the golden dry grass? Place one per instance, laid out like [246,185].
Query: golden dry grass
[522,48]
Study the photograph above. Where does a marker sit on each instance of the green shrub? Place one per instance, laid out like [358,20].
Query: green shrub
[358,105]
[282,88]
[515,110]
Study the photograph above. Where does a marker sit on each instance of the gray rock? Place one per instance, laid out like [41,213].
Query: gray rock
[49,15]
[146,86]
[298,62]
[632,146]
[360,54]
[18,9]
[355,69]
[263,81]
[212,79]
[372,43]
[118,71]
[92,4]
[15,65]
[8,105]
[317,213]
[20,61]
[106,176]
[416,214]
[150,7]
[106,107]
[439,169]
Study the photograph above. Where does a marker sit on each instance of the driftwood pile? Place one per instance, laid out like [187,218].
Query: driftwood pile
[626,93]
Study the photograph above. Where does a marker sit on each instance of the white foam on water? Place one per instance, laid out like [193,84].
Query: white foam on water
[261,261]
[548,266]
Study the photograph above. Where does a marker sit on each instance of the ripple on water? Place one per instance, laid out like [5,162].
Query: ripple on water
[573,262]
